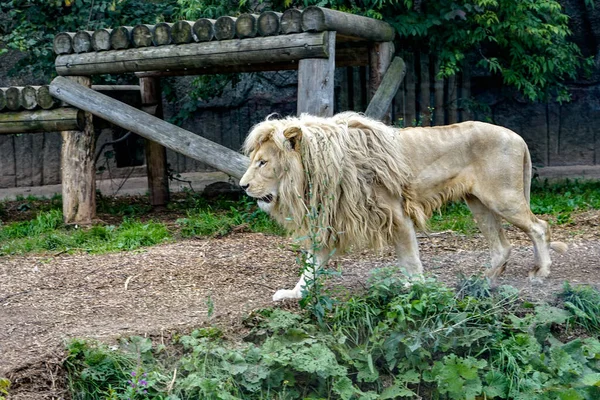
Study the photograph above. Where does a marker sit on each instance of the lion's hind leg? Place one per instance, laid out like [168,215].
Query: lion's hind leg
[490,225]
[517,212]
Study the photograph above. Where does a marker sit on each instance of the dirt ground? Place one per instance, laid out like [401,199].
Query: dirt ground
[47,299]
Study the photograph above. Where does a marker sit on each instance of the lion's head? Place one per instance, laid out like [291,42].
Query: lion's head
[327,179]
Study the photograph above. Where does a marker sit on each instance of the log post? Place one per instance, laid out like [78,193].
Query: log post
[410,116]
[78,169]
[380,57]
[425,92]
[63,43]
[316,82]
[13,98]
[382,100]
[452,99]
[465,98]
[28,97]
[438,85]
[156,154]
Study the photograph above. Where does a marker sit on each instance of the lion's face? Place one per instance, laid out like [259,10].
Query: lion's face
[261,180]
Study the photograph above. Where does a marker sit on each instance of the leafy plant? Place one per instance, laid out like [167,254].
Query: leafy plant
[394,341]
[584,302]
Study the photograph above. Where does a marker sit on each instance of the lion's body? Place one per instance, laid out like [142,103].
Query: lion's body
[349,181]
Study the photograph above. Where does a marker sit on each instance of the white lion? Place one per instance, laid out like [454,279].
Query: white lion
[350,181]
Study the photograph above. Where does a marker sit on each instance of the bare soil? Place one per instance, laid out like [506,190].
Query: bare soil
[47,299]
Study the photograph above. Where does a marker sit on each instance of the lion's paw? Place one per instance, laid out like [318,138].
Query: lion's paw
[283,294]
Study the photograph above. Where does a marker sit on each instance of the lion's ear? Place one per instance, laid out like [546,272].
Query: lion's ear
[294,136]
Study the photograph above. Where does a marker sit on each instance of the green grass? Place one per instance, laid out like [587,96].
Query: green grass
[393,341]
[219,217]
[584,302]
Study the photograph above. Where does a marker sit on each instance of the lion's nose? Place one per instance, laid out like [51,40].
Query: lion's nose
[245,186]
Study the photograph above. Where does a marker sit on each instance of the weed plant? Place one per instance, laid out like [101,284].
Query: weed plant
[394,341]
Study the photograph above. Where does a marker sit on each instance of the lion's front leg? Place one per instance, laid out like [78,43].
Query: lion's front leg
[314,262]
[407,247]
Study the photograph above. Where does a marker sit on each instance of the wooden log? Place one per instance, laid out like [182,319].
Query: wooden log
[204,29]
[82,41]
[425,91]
[60,119]
[120,37]
[170,136]
[141,35]
[316,83]
[246,26]
[318,19]
[101,39]
[28,97]
[452,100]
[116,88]
[161,34]
[350,57]
[411,91]
[438,86]
[291,21]
[382,100]
[197,55]
[44,99]
[225,28]
[380,57]
[63,43]
[465,101]
[2,99]
[182,32]
[269,23]
[13,98]
[156,154]
[78,166]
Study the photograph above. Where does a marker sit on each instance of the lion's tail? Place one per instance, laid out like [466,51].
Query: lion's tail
[527,169]
[559,247]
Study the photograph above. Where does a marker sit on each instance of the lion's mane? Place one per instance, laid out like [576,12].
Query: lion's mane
[341,179]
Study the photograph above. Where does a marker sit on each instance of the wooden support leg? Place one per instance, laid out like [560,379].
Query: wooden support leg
[315,83]
[79,170]
[380,57]
[156,154]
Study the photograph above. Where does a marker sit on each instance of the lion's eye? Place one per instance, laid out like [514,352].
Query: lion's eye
[261,163]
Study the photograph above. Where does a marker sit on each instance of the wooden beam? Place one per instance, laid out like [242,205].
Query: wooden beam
[318,19]
[197,55]
[380,57]
[170,136]
[382,100]
[316,83]
[156,154]
[425,91]
[344,57]
[78,167]
[60,119]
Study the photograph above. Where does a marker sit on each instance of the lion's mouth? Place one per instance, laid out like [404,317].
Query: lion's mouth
[266,199]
